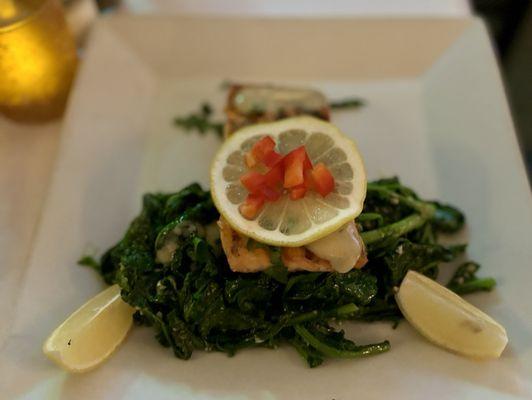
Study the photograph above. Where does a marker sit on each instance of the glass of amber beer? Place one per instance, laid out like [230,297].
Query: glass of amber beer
[37,59]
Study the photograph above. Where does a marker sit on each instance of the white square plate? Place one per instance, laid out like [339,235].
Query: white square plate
[436,116]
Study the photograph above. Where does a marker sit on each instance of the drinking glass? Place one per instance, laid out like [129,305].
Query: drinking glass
[37,59]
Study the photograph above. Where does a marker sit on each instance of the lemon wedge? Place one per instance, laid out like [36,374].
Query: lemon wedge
[447,320]
[91,334]
[286,222]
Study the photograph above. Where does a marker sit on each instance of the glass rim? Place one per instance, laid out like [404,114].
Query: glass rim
[24,19]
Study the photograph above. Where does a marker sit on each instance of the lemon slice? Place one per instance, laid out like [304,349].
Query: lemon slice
[285,222]
[91,334]
[447,320]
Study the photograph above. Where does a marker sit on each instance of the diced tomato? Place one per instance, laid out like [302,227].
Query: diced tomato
[295,163]
[250,160]
[293,172]
[251,207]
[264,146]
[322,179]
[271,193]
[263,152]
[274,177]
[307,164]
[273,183]
[298,192]
[309,180]
[253,181]
[272,158]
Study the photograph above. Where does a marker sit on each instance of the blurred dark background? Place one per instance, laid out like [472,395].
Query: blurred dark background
[510,23]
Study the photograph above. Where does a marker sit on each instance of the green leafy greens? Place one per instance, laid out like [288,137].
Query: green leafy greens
[178,279]
[201,122]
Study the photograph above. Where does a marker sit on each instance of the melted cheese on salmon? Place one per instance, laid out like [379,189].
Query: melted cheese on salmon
[342,248]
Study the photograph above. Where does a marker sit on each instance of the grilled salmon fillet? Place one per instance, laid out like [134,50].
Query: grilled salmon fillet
[252,104]
[245,258]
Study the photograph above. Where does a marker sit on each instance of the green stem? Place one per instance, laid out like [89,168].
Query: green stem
[345,311]
[329,351]
[378,309]
[396,229]
[364,217]
[425,211]
[418,205]
[485,284]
